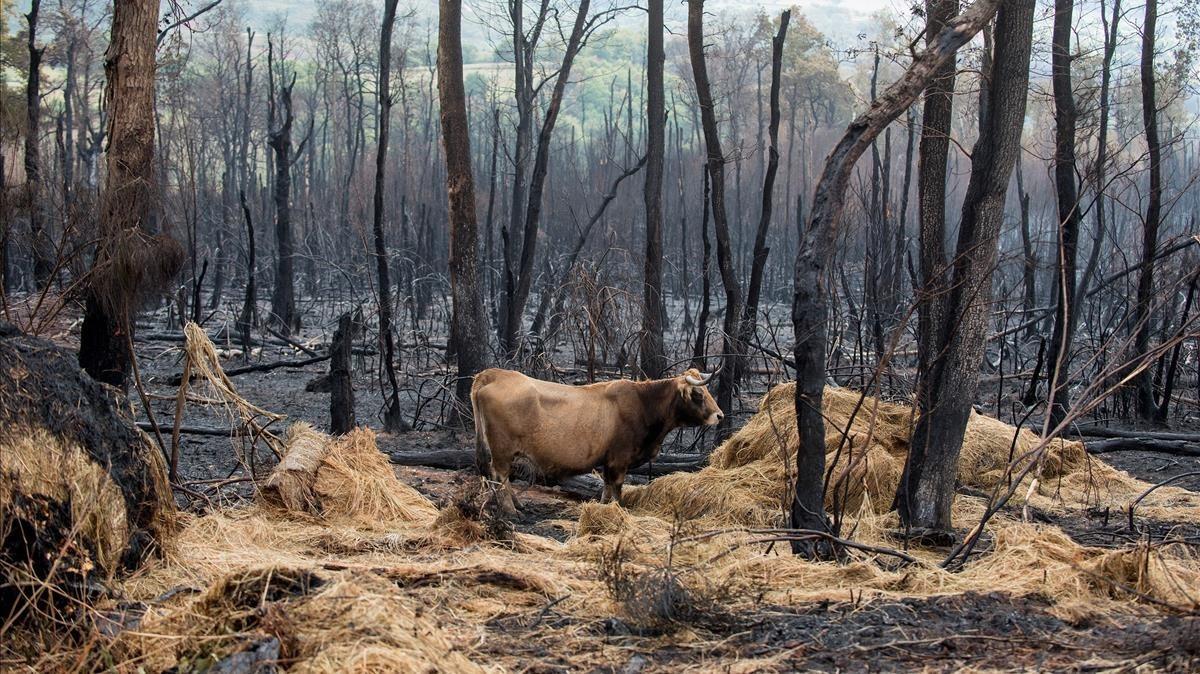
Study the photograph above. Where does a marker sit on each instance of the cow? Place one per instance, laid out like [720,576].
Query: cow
[571,430]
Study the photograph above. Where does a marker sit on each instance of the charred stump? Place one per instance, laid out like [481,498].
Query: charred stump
[341,385]
[83,492]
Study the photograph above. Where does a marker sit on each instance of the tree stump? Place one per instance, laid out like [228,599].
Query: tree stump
[341,386]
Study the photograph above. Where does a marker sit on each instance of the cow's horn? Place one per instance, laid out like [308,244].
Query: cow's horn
[698,381]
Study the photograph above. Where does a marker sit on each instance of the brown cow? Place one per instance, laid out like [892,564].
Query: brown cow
[571,430]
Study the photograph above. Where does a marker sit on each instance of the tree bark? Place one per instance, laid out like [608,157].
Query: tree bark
[131,260]
[392,421]
[341,383]
[43,265]
[933,152]
[283,299]
[761,251]
[537,184]
[815,254]
[1067,193]
[732,351]
[653,360]
[926,489]
[469,326]
[1145,289]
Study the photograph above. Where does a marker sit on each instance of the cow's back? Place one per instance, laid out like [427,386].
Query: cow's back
[563,429]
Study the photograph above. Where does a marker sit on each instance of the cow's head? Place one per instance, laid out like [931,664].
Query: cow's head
[696,406]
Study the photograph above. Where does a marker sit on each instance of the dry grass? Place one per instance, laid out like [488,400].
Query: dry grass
[351,570]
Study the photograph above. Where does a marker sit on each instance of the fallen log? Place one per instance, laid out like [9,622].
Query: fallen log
[1147,444]
[177,379]
[232,432]
[1099,432]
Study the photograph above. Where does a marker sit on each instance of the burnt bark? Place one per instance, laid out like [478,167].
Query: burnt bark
[815,254]
[279,138]
[733,350]
[1067,194]
[653,359]
[469,324]
[392,421]
[132,260]
[761,251]
[1145,288]
[926,489]
[341,383]
[43,264]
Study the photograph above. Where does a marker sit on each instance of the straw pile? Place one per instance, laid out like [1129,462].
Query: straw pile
[341,567]
[342,478]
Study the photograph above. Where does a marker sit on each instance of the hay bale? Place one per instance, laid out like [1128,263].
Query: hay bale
[746,481]
[345,478]
[290,484]
[83,492]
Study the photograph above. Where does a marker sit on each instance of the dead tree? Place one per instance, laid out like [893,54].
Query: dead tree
[815,253]
[279,138]
[521,279]
[469,324]
[341,383]
[653,360]
[733,350]
[132,259]
[764,220]
[926,489]
[1067,193]
[392,421]
[43,265]
[1145,288]
[249,314]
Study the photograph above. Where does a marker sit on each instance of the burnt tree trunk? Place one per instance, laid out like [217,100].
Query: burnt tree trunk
[1145,289]
[815,254]
[653,359]
[700,351]
[392,421]
[1067,193]
[249,314]
[537,184]
[341,383]
[131,260]
[933,152]
[768,195]
[469,323]
[926,489]
[43,265]
[732,351]
[279,138]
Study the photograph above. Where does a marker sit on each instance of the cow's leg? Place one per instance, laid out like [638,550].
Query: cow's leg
[614,478]
[502,465]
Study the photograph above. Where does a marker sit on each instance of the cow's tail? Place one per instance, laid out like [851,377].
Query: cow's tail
[483,452]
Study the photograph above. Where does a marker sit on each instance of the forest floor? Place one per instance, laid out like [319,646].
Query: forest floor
[994,631]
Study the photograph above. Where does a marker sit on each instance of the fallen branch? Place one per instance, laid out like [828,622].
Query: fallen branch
[1175,447]
[231,432]
[177,379]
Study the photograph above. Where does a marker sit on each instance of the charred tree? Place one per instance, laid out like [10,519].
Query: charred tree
[469,323]
[43,265]
[733,350]
[815,254]
[926,489]
[249,314]
[341,383]
[1145,288]
[933,153]
[653,359]
[279,138]
[1067,193]
[523,281]
[132,259]
[761,251]
[392,421]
